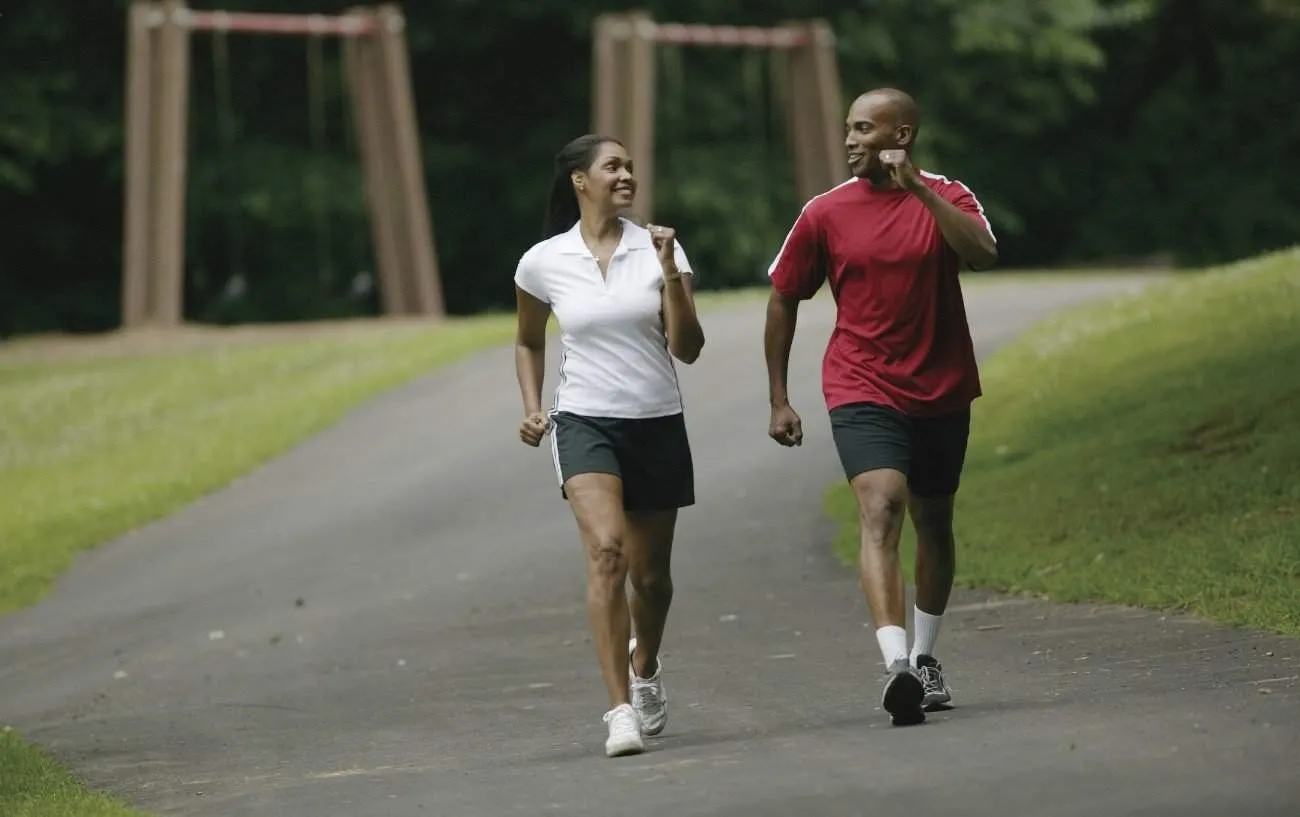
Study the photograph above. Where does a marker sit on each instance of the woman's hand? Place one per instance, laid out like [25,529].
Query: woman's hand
[664,242]
[534,428]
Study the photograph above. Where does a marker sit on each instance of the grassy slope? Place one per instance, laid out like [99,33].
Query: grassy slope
[93,446]
[1145,450]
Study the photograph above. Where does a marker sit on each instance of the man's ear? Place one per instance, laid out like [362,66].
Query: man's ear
[904,135]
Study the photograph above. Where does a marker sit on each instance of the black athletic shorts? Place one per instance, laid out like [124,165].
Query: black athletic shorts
[931,451]
[652,456]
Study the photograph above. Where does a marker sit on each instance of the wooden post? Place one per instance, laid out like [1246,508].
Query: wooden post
[830,103]
[606,78]
[360,60]
[623,94]
[423,285]
[640,92]
[803,119]
[171,120]
[137,194]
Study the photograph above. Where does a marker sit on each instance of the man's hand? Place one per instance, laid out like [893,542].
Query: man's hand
[785,426]
[533,428]
[901,169]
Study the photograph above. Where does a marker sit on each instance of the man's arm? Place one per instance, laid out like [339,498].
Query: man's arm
[778,337]
[797,273]
[968,237]
[961,220]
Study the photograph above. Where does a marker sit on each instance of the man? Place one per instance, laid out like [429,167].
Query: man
[899,373]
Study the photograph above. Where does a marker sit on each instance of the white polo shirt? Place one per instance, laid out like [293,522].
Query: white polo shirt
[614,360]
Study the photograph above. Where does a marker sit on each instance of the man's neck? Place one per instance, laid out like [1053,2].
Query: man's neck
[881,182]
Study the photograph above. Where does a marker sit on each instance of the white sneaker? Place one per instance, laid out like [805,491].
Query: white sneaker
[648,696]
[624,732]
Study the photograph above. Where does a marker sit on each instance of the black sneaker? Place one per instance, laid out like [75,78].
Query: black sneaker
[903,695]
[937,694]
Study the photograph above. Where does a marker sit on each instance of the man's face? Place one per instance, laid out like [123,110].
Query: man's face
[872,126]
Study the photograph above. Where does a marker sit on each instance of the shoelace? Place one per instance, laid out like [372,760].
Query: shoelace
[645,694]
[622,720]
[931,680]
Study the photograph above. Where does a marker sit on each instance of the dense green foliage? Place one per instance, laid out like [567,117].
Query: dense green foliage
[1091,129]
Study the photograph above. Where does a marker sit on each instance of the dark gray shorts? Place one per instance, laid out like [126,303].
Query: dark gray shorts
[931,451]
[652,456]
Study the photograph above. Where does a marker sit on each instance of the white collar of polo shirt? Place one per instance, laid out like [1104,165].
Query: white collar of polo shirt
[633,238]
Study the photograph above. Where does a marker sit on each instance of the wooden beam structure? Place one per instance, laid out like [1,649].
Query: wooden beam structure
[623,90]
[377,68]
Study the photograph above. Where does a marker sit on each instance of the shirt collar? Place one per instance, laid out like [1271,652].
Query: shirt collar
[634,237]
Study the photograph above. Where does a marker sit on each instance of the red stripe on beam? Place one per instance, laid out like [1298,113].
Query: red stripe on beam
[252,22]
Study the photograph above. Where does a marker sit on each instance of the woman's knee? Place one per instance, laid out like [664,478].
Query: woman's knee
[606,559]
[652,584]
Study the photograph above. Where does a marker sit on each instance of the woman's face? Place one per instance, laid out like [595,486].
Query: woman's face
[608,182]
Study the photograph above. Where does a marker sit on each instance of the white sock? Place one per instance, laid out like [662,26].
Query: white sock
[893,643]
[927,633]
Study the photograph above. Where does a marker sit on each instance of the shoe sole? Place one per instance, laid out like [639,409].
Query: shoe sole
[624,749]
[937,703]
[902,700]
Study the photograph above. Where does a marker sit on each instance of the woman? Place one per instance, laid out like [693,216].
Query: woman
[622,296]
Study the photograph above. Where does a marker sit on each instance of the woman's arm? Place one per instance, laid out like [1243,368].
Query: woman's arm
[681,322]
[530,348]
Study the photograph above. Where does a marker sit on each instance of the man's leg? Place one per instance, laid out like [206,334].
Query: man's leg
[939,454]
[936,562]
[875,450]
[882,501]
[935,565]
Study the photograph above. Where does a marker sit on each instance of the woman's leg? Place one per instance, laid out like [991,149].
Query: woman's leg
[597,503]
[649,546]
[649,543]
[658,480]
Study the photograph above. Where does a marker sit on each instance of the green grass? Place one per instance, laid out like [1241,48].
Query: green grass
[1145,451]
[32,784]
[92,446]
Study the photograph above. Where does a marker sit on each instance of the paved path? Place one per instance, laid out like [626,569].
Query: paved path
[388,621]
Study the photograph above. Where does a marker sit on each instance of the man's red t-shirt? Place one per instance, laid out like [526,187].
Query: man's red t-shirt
[901,337]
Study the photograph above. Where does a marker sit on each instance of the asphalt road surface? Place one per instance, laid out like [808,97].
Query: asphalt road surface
[389,621]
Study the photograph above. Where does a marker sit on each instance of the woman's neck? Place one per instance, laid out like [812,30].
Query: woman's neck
[600,227]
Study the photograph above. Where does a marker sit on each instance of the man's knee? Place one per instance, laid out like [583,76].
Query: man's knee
[882,500]
[932,519]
